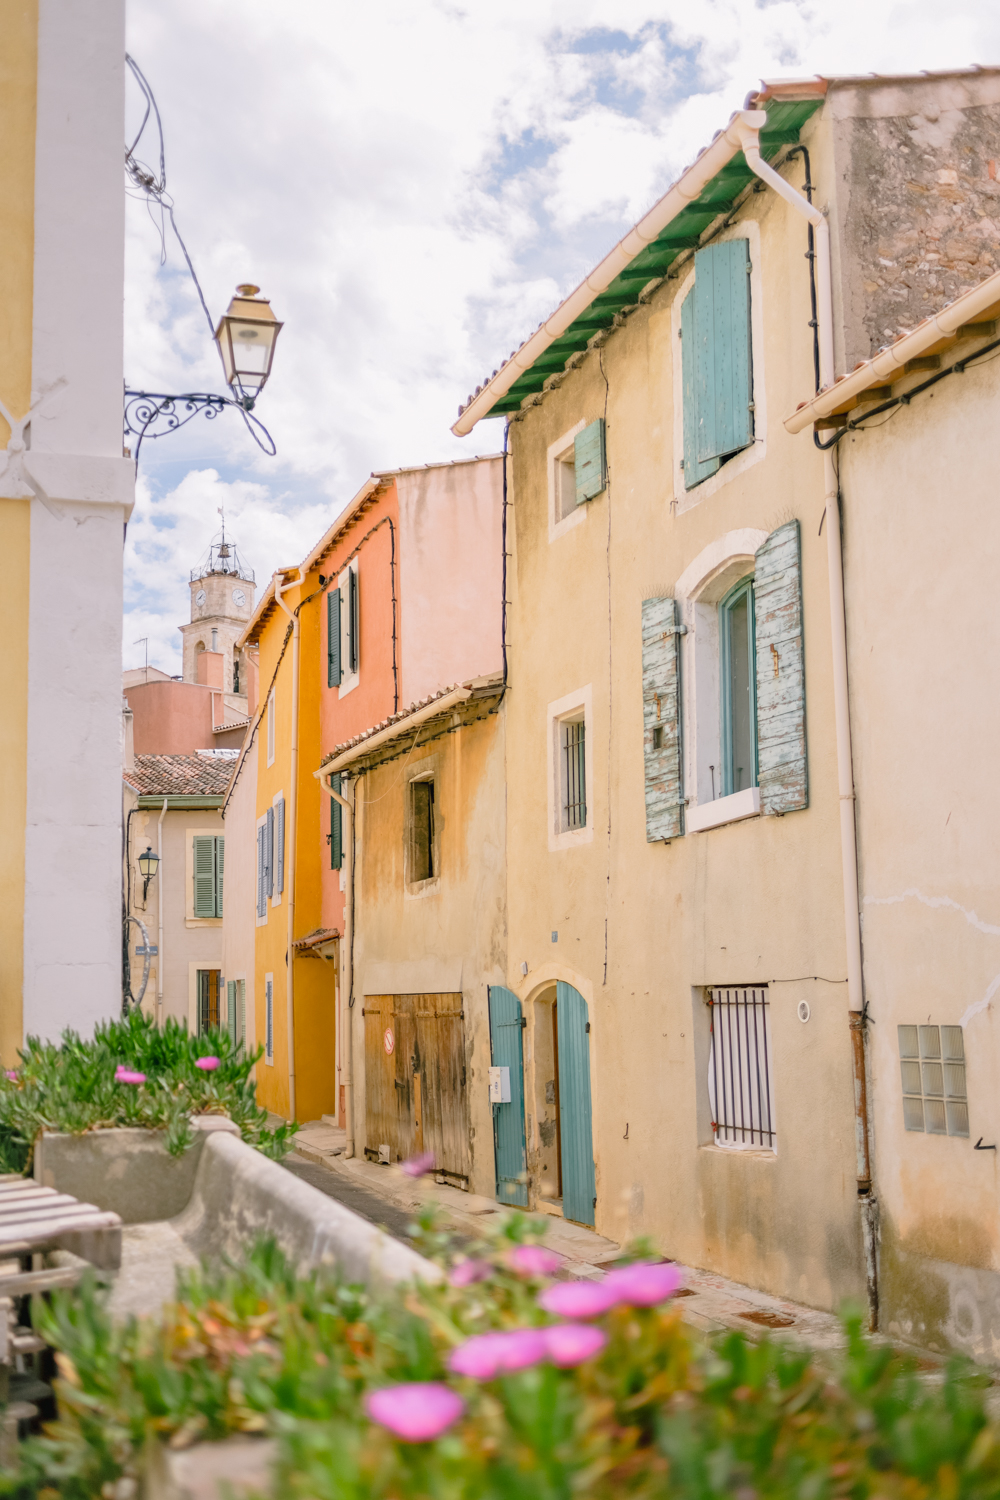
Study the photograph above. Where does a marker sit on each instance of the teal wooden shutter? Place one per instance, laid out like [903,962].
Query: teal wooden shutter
[231,1009]
[589,462]
[661,719]
[694,470]
[220,861]
[575,1126]
[334,667]
[269,852]
[204,876]
[781,682]
[508,1119]
[279,840]
[336,827]
[722,337]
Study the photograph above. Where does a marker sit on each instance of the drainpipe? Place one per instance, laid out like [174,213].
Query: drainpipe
[347,973]
[293,798]
[749,124]
[159,913]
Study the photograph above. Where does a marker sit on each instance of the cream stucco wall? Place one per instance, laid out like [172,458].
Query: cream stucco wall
[924,636]
[642,928]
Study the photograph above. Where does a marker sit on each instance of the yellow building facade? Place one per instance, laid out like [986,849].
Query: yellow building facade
[65,493]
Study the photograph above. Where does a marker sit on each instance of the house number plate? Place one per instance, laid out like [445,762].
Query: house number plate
[389,1040]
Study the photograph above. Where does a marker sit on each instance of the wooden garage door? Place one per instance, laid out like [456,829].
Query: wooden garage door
[415,1079]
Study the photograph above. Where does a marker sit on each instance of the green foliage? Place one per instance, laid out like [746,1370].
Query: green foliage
[72,1087]
[253,1347]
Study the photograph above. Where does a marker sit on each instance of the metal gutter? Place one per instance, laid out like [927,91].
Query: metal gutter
[179,803]
[889,364]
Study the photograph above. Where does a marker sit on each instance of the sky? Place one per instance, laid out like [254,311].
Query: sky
[414,185]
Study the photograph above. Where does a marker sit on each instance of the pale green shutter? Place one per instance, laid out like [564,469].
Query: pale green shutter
[661,719]
[589,462]
[220,859]
[336,827]
[694,471]
[279,841]
[722,335]
[334,668]
[781,695]
[204,876]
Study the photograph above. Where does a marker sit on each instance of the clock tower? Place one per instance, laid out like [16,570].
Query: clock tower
[222,601]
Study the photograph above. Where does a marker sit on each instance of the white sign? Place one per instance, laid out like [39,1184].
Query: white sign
[499,1085]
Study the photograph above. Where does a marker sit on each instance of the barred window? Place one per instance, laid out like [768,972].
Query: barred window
[574,777]
[740,1074]
[932,1065]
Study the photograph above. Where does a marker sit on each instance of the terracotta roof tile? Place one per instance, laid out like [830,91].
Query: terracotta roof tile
[180,775]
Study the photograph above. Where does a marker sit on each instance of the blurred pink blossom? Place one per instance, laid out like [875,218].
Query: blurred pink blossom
[418,1165]
[125,1075]
[487,1355]
[644,1284]
[12,1076]
[417,1413]
[534,1260]
[571,1343]
[467,1271]
[578,1299]
[207,1064]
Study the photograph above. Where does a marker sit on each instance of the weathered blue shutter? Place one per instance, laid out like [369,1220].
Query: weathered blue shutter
[589,462]
[204,876]
[336,827]
[220,862]
[661,719]
[261,867]
[575,1127]
[279,840]
[334,667]
[508,1119]
[781,681]
[231,1009]
[269,853]
[722,336]
[694,470]
[354,613]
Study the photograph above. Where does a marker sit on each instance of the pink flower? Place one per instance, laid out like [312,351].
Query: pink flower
[571,1343]
[487,1355]
[125,1075]
[644,1284]
[578,1299]
[417,1413]
[418,1165]
[11,1075]
[467,1271]
[534,1260]
[207,1064]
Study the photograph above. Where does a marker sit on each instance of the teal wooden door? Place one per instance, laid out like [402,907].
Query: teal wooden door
[508,1119]
[575,1132]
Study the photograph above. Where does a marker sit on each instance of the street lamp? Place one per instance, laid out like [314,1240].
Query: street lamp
[148,862]
[246,336]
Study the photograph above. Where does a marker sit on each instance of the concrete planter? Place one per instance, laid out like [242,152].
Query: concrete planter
[230,1470]
[127,1171]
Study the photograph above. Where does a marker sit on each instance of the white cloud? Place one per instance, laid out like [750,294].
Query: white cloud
[415,185]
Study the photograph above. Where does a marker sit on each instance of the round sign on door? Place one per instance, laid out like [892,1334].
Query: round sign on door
[389,1041]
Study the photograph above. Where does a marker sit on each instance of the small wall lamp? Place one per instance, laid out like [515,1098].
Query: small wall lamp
[246,337]
[148,862]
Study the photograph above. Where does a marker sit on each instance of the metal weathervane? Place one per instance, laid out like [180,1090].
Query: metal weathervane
[246,334]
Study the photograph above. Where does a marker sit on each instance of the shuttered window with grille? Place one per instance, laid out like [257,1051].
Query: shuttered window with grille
[740,1074]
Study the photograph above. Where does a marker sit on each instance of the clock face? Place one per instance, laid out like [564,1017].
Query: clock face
[239,597]
[199,597]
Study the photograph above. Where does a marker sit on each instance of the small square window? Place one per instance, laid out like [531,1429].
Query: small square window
[934,1090]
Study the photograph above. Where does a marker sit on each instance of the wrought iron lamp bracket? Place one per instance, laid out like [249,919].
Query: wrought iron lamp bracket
[154,414]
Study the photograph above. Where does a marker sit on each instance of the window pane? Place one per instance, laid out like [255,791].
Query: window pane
[930,1041]
[738,687]
[954,1080]
[908,1041]
[421,830]
[951,1041]
[958,1117]
[934,1117]
[911,1077]
[933,1078]
[913,1114]
[574,769]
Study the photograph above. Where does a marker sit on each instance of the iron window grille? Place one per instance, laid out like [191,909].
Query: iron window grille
[932,1065]
[574,757]
[740,1075]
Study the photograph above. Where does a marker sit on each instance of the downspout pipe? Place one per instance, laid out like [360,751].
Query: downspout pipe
[292,825]
[347,972]
[159,915]
[749,125]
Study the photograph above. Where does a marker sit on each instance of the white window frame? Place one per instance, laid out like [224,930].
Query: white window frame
[574,706]
[683,499]
[349,680]
[556,456]
[270,728]
[269,1019]
[699,591]
[261,921]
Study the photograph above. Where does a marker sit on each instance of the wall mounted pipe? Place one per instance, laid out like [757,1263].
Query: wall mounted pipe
[293,799]
[159,904]
[748,125]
